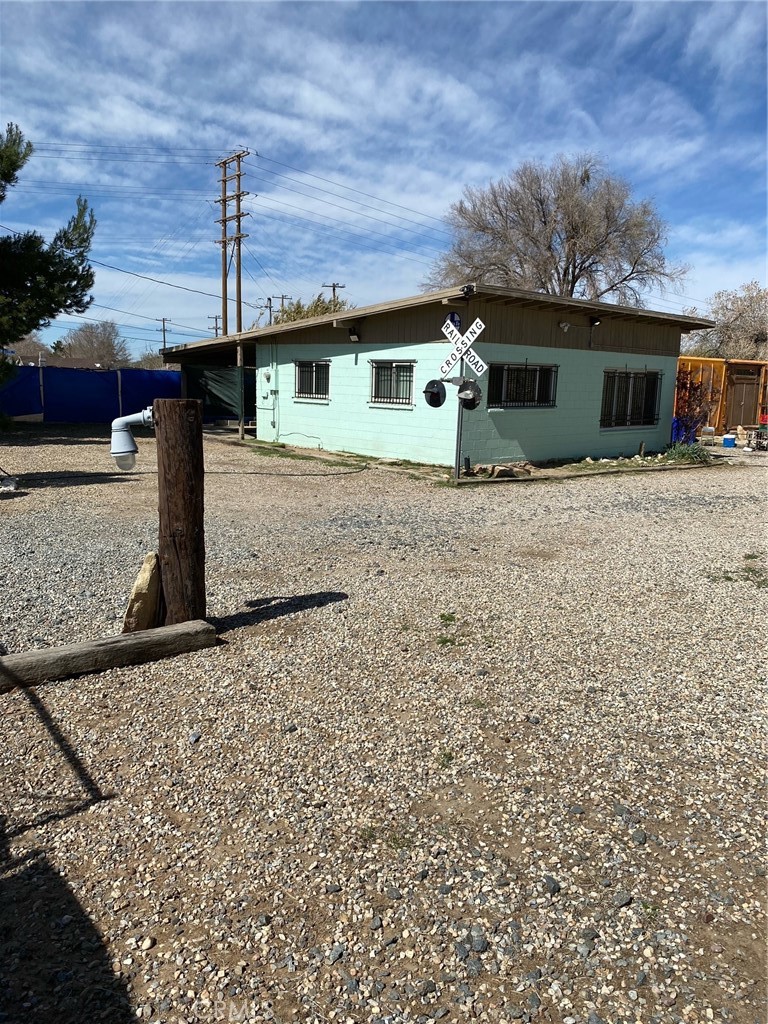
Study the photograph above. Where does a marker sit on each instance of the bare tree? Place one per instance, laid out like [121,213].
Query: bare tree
[741,325]
[31,348]
[151,359]
[567,229]
[99,343]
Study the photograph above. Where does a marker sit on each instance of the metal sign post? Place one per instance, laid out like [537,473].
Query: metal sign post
[462,351]
[459,425]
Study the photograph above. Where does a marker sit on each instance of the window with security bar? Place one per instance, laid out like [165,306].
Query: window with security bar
[521,386]
[631,398]
[312,380]
[392,383]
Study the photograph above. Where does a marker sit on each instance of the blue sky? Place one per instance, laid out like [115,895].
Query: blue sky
[364,121]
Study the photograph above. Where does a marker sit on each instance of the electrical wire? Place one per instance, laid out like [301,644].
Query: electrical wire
[155,280]
[373,248]
[335,220]
[349,188]
[110,152]
[141,316]
[205,157]
[120,147]
[328,202]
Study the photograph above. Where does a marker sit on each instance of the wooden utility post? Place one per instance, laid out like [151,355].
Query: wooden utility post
[164,320]
[228,197]
[179,431]
[333,286]
[241,391]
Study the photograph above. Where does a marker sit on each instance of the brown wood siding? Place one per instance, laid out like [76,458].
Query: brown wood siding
[529,326]
[510,325]
[505,324]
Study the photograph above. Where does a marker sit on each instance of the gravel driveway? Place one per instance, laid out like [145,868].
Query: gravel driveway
[492,753]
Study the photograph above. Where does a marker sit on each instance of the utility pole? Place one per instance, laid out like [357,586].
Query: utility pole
[228,197]
[269,310]
[282,299]
[215,324]
[333,287]
[165,320]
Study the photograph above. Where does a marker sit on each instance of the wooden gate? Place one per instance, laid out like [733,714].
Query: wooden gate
[742,399]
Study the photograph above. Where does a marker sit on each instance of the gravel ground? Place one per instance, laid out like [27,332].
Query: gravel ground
[492,753]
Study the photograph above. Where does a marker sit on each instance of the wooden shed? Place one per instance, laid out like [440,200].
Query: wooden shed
[736,390]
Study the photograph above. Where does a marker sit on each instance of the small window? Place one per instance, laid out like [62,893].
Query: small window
[392,383]
[630,398]
[521,386]
[312,380]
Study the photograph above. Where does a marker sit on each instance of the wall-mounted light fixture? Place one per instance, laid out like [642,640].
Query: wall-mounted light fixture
[563,325]
[594,321]
[354,337]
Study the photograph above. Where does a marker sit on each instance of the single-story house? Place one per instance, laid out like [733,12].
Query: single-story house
[558,377]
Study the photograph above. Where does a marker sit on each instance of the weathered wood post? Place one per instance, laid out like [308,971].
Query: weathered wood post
[179,432]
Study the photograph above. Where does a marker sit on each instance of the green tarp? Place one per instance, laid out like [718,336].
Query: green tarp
[219,389]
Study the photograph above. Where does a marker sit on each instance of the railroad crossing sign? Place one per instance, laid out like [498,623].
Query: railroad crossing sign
[462,349]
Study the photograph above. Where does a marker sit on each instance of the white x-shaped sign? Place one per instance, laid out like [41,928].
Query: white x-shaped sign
[462,349]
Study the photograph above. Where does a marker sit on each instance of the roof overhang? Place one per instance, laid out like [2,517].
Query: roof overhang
[457,296]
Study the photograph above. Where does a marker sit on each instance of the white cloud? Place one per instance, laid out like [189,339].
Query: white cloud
[730,39]
[405,102]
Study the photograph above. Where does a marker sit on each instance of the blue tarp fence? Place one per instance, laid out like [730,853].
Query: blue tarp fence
[58,394]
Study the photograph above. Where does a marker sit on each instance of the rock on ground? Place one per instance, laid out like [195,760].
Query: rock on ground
[463,754]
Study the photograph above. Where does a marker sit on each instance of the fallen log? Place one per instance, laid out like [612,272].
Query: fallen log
[33,667]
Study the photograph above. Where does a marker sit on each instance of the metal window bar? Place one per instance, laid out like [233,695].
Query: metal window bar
[520,387]
[392,383]
[312,380]
[630,399]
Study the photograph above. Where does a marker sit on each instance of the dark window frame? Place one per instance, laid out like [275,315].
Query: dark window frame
[630,398]
[316,372]
[383,390]
[522,386]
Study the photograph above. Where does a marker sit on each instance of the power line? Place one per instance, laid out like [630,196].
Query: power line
[119,147]
[365,232]
[141,316]
[123,159]
[144,277]
[373,248]
[45,187]
[162,246]
[338,206]
[61,325]
[109,151]
[156,280]
[264,270]
[349,188]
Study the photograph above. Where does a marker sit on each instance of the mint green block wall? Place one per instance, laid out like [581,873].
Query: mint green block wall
[348,422]
[419,433]
[572,428]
